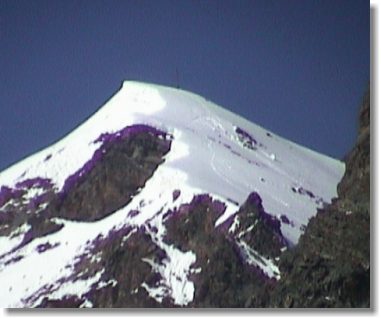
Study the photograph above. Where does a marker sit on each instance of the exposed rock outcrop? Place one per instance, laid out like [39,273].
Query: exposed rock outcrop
[118,169]
[196,250]
[330,266]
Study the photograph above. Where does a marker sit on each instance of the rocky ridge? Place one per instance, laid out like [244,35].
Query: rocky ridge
[330,266]
[129,217]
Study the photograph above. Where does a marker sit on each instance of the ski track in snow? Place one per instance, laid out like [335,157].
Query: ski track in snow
[206,156]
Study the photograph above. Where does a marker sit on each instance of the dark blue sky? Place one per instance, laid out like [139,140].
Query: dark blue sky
[297,67]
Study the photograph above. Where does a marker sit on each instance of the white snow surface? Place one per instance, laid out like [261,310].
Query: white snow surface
[206,156]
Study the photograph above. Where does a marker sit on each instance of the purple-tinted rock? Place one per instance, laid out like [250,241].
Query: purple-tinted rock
[224,227]
[154,280]
[154,229]
[310,194]
[245,134]
[168,214]
[269,219]
[35,182]
[46,229]
[255,199]
[175,195]
[216,207]
[303,191]
[246,138]
[285,219]
[133,213]
[107,139]
[241,255]
[232,201]
[235,153]
[44,247]
[7,194]
[161,255]
[129,131]
[14,260]
[200,199]
[41,198]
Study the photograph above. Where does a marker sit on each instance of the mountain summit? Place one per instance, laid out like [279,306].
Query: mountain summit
[161,198]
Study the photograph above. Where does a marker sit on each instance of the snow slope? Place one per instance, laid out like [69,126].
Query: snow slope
[213,151]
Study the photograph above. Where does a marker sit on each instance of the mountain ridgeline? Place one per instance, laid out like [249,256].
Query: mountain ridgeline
[330,266]
[163,199]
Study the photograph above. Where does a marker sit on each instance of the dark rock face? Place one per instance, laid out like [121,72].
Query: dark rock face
[246,139]
[330,266]
[356,182]
[123,272]
[20,210]
[225,278]
[65,302]
[124,168]
[221,275]
[123,163]
[260,230]
[123,263]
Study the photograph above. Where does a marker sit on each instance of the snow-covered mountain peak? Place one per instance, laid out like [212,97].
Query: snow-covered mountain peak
[182,147]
